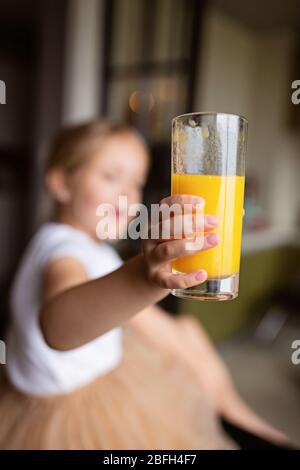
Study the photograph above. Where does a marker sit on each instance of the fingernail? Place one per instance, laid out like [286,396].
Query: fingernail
[212,239]
[201,275]
[212,219]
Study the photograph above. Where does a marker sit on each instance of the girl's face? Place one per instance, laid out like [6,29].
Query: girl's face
[119,169]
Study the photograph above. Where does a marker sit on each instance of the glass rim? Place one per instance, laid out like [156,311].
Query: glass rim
[210,113]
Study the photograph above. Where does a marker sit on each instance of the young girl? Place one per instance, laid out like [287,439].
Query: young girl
[92,362]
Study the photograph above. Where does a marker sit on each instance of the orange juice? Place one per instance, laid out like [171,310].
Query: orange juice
[224,197]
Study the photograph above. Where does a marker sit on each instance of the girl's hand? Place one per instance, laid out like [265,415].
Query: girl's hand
[159,252]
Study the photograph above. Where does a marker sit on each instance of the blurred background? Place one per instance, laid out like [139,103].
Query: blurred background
[144,62]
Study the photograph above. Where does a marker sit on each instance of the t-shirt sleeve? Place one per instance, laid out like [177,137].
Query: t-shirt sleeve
[63,248]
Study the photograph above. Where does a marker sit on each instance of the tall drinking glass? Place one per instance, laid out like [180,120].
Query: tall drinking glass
[208,160]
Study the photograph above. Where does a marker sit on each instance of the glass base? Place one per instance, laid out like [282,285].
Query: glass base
[213,290]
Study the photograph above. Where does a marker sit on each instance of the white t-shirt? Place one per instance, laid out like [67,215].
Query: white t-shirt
[32,366]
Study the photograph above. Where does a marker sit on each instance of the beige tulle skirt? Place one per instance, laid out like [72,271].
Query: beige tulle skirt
[150,401]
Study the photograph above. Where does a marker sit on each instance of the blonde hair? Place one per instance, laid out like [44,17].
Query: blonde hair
[73,144]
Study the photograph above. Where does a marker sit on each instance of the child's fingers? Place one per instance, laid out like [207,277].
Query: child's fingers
[179,204]
[181,226]
[168,280]
[171,250]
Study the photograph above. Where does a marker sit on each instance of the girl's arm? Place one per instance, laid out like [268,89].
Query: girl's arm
[75,311]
